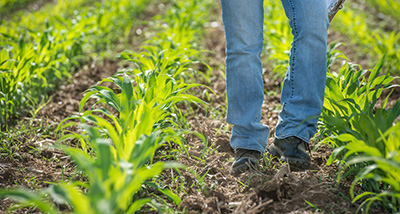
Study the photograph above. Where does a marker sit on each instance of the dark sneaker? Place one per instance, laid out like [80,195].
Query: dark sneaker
[244,160]
[291,150]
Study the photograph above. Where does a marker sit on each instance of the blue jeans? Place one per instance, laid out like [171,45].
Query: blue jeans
[303,88]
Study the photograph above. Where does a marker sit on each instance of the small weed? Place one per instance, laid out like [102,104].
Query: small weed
[316,209]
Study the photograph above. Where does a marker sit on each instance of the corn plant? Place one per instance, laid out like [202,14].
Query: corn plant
[377,43]
[333,54]
[362,133]
[9,6]
[350,98]
[388,7]
[143,107]
[152,83]
[122,131]
[124,145]
[277,36]
[378,171]
[182,30]
[36,53]
[28,70]
[113,181]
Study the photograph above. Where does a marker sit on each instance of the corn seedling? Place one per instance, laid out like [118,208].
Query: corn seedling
[11,5]
[38,50]
[277,36]
[387,7]
[127,125]
[355,126]
[351,22]
[333,55]
[380,170]
[350,100]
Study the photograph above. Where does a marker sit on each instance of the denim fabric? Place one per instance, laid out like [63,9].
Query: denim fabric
[303,88]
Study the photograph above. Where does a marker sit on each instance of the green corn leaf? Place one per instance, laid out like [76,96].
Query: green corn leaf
[166,192]
[135,184]
[348,138]
[377,69]
[126,96]
[117,80]
[111,99]
[334,121]
[27,198]
[63,126]
[333,87]
[143,149]
[352,88]
[104,156]
[106,126]
[15,39]
[73,196]
[117,122]
[138,204]
[390,138]
[386,99]
[359,146]
[393,113]
[82,159]
[358,197]
[380,120]
[85,98]
[99,87]
[4,57]
[363,174]
[334,154]
[311,204]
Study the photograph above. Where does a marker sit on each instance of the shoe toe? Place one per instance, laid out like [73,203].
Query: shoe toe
[243,164]
[291,150]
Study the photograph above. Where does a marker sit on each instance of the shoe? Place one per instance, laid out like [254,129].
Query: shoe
[291,150]
[244,160]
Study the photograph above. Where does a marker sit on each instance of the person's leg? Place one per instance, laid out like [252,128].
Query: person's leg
[243,22]
[304,85]
[303,88]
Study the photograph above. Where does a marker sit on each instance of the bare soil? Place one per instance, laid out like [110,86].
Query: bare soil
[272,189]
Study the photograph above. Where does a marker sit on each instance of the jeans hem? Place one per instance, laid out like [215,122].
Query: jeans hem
[305,139]
[249,148]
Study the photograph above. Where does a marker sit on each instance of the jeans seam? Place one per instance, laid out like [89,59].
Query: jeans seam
[291,67]
[294,48]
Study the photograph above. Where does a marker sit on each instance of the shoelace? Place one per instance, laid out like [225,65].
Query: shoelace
[308,148]
[249,153]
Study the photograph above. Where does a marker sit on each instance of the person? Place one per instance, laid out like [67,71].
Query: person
[303,87]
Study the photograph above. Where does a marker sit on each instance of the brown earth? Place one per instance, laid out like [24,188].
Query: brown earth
[273,188]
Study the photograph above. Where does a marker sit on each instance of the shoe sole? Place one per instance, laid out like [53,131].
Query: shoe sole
[296,162]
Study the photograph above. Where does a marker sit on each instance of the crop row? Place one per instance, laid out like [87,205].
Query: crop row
[129,122]
[374,42]
[133,118]
[39,49]
[7,6]
[356,120]
[362,132]
[352,22]
[387,8]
